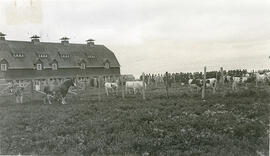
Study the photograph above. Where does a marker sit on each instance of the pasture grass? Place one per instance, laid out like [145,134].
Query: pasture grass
[227,123]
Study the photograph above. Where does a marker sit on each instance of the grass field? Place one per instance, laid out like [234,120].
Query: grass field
[226,123]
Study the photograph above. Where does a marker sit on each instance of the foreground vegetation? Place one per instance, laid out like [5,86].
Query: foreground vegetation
[225,124]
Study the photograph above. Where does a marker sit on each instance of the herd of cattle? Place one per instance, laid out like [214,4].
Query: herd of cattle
[129,86]
[192,81]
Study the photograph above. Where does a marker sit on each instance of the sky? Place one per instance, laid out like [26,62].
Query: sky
[152,36]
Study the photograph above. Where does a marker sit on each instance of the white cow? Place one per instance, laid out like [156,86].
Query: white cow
[261,77]
[135,85]
[227,79]
[239,80]
[110,86]
[267,74]
[211,83]
[236,82]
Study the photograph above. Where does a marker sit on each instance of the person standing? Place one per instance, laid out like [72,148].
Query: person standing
[19,94]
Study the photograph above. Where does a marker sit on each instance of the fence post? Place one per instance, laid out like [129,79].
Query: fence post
[31,91]
[99,83]
[143,89]
[85,83]
[122,87]
[222,76]
[204,81]
[77,83]
[166,84]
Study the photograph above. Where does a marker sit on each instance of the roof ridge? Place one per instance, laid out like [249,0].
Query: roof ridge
[41,42]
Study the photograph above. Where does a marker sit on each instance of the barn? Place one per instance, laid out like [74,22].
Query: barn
[45,61]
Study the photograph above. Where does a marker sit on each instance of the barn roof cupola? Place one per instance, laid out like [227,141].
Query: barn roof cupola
[90,42]
[35,39]
[2,36]
[64,40]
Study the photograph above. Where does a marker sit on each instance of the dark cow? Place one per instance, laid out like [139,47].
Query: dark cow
[195,83]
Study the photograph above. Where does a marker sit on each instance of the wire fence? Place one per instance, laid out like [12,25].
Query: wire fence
[168,84]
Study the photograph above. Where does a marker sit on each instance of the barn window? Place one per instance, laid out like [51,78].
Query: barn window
[43,55]
[106,65]
[39,66]
[54,66]
[4,67]
[18,55]
[91,56]
[65,55]
[82,65]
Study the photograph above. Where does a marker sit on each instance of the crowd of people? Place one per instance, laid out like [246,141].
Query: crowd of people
[182,77]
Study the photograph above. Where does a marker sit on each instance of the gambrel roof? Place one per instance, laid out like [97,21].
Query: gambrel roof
[94,55]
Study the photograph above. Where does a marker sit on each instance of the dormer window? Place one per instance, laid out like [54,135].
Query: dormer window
[39,66]
[54,66]
[82,65]
[4,64]
[107,65]
[3,67]
[18,55]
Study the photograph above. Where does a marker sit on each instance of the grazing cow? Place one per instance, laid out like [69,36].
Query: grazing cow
[236,81]
[135,85]
[58,92]
[227,79]
[211,83]
[110,86]
[240,80]
[195,83]
[244,79]
[261,77]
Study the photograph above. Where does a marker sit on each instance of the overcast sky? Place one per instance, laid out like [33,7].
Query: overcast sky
[152,35]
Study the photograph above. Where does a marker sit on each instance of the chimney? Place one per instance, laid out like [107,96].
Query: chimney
[64,40]
[35,39]
[2,36]
[90,42]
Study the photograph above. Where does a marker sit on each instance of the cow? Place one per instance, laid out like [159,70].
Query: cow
[261,77]
[195,83]
[211,83]
[135,85]
[240,80]
[227,79]
[267,74]
[236,82]
[110,86]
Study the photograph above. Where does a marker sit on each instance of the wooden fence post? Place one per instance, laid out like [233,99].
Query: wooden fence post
[77,83]
[167,84]
[122,87]
[31,91]
[85,83]
[204,81]
[143,89]
[99,83]
[222,76]
[156,81]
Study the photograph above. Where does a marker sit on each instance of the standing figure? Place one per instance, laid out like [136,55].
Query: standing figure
[19,94]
